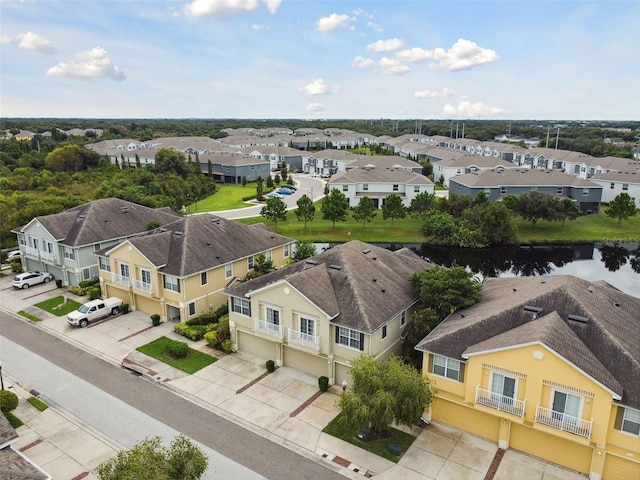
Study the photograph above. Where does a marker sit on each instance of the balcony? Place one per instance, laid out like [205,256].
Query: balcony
[501,403]
[32,252]
[267,328]
[564,422]
[304,339]
[142,286]
[120,280]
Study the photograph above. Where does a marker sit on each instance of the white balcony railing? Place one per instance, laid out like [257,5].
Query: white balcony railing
[142,286]
[304,339]
[267,328]
[500,402]
[120,280]
[33,252]
[49,257]
[564,422]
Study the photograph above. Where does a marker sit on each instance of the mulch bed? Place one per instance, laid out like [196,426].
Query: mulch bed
[252,382]
[307,402]
[495,463]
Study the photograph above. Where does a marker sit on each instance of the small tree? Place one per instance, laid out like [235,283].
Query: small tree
[274,210]
[421,205]
[534,205]
[621,207]
[306,210]
[567,208]
[269,182]
[365,211]
[383,392]
[335,206]
[259,189]
[276,179]
[303,249]
[393,208]
[283,171]
[244,180]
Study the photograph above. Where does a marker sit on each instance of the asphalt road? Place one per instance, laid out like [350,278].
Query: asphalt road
[100,394]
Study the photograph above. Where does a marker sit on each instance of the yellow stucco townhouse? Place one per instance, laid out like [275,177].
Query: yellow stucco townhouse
[179,271]
[549,366]
[319,314]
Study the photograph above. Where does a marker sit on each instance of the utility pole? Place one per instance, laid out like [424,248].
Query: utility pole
[547,144]
[462,129]
[557,137]
[456,130]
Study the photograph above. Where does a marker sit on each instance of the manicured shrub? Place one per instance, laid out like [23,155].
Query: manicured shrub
[180,328]
[227,346]
[155,319]
[222,310]
[94,293]
[271,366]
[88,283]
[125,308]
[211,338]
[178,349]
[8,401]
[323,383]
[16,267]
[192,332]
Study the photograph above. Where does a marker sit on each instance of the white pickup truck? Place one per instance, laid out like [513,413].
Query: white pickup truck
[94,310]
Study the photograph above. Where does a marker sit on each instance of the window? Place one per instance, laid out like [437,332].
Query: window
[273,316]
[172,283]
[104,264]
[446,367]
[395,187]
[365,187]
[503,190]
[350,338]
[308,326]
[566,404]
[69,254]
[267,255]
[285,250]
[228,270]
[48,246]
[559,190]
[34,242]
[241,306]
[502,385]
[585,192]
[250,263]
[416,188]
[345,188]
[631,421]
[86,274]
[384,332]
[145,276]
[625,187]
[203,278]
[192,309]
[612,186]
[403,318]
[124,270]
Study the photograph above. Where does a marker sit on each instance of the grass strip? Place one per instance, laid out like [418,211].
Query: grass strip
[57,307]
[13,420]
[33,318]
[193,362]
[39,404]
[379,446]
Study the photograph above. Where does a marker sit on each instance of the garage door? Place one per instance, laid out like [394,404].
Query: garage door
[257,346]
[551,448]
[305,362]
[147,305]
[343,373]
[467,419]
[616,468]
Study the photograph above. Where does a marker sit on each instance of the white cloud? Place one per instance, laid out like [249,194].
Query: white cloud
[445,92]
[332,22]
[35,43]
[315,107]
[508,79]
[463,54]
[391,66]
[91,64]
[467,109]
[385,45]
[362,62]
[4,39]
[225,8]
[316,87]
[375,27]
[257,27]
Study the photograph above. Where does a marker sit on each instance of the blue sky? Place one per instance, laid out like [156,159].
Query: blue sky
[320,59]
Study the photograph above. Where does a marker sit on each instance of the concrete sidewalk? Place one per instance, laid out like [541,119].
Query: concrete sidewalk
[284,406]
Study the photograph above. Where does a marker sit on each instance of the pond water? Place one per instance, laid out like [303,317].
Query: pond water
[618,264]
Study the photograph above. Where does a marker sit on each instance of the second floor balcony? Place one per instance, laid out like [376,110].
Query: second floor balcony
[500,402]
[142,286]
[267,328]
[564,422]
[304,339]
[121,280]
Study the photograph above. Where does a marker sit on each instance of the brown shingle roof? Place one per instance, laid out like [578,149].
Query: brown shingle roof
[607,346]
[359,290]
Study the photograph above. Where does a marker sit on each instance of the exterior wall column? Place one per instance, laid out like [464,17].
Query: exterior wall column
[597,463]
[504,433]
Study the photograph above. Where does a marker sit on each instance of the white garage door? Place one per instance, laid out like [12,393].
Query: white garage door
[257,346]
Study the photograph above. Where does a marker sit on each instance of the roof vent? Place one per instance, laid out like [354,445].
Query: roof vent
[531,308]
[124,209]
[514,290]
[215,220]
[578,318]
[591,288]
[162,229]
[335,267]
[366,250]
[616,304]
[177,234]
[375,279]
[81,216]
[311,262]
[383,290]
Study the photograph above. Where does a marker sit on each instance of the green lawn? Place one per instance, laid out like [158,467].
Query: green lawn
[227,197]
[39,404]
[379,447]
[33,318]
[193,362]
[56,306]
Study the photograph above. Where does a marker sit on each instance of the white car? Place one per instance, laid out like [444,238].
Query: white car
[13,256]
[27,279]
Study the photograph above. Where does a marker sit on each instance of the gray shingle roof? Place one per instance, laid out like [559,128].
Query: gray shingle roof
[364,294]
[101,220]
[521,177]
[201,242]
[606,347]
[380,175]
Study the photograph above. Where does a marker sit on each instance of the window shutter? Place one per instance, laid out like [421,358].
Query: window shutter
[362,341]
[619,416]
[461,374]
[337,334]
[430,368]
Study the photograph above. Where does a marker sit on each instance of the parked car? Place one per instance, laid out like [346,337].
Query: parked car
[290,187]
[284,191]
[93,311]
[27,279]
[13,256]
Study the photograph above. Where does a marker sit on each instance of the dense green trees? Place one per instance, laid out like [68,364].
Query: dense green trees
[274,211]
[71,158]
[303,249]
[306,210]
[621,207]
[393,208]
[335,206]
[422,205]
[365,211]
